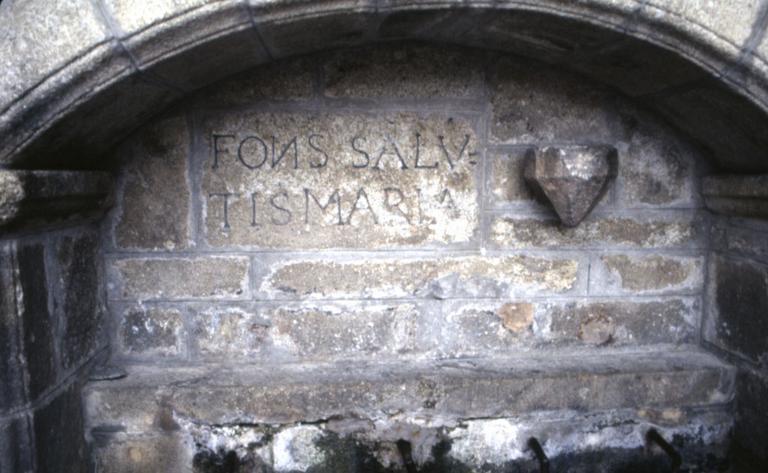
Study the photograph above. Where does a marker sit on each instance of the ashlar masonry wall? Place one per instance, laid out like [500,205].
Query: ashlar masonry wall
[369,204]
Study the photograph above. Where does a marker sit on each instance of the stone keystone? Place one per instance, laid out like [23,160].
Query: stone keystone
[571,178]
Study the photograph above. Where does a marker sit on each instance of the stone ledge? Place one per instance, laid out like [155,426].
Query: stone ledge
[152,397]
[38,198]
[743,196]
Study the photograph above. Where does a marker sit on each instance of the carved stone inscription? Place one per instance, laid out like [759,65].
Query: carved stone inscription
[341,180]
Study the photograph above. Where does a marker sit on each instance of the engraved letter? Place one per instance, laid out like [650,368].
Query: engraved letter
[276,160]
[445,150]
[216,149]
[254,223]
[362,195]
[286,213]
[226,196]
[263,150]
[333,199]
[395,206]
[417,165]
[397,153]
[361,151]
[315,147]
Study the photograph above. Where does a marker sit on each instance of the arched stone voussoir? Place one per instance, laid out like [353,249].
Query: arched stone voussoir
[80,76]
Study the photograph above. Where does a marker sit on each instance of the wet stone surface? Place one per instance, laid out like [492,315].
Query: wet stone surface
[342,180]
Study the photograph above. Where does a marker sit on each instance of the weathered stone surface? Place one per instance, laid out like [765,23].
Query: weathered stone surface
[171,48]
[740,301]
[750,242]
[726,25]
[427,277]
[447,389]
[666,231]
[16,445]
[540,105]
[281,80]
[646,274]
[11,372]
[745,196]
[80,297]
[622,322]
[751,430]
[656,169]
[58,427]
[406,71]
[727,125]
[165,452]
[305,180]
[69,30]
[215,277]
[507,183]
[153,194]
[29,198]
[497,444]
[572,178]
[307,332]
[38,329]
[152,331]
[483,328]
[638,68]
[301,27]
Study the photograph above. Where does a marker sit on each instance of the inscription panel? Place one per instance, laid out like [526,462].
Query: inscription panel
[339,180]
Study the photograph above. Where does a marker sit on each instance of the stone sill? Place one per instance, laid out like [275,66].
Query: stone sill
[445,389]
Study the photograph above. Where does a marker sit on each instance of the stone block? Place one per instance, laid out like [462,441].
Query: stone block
[292,79]
[208,277]
[507,184]
[656,169]
[744,196]
[750,242]
[38,329]
[351,332]
[152,332]
[16,445]
[737,319]
[646,274]
[610,322]
[405,72]
[314,331]
[539,105]
[438,278]
[599,231]
[484,328]
[79,297]
[154,196]
[43,198]
[340,180]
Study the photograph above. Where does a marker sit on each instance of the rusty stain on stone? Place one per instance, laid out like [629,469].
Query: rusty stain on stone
[516,317]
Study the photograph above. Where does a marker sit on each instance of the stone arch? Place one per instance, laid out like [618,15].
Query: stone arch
[79,77]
